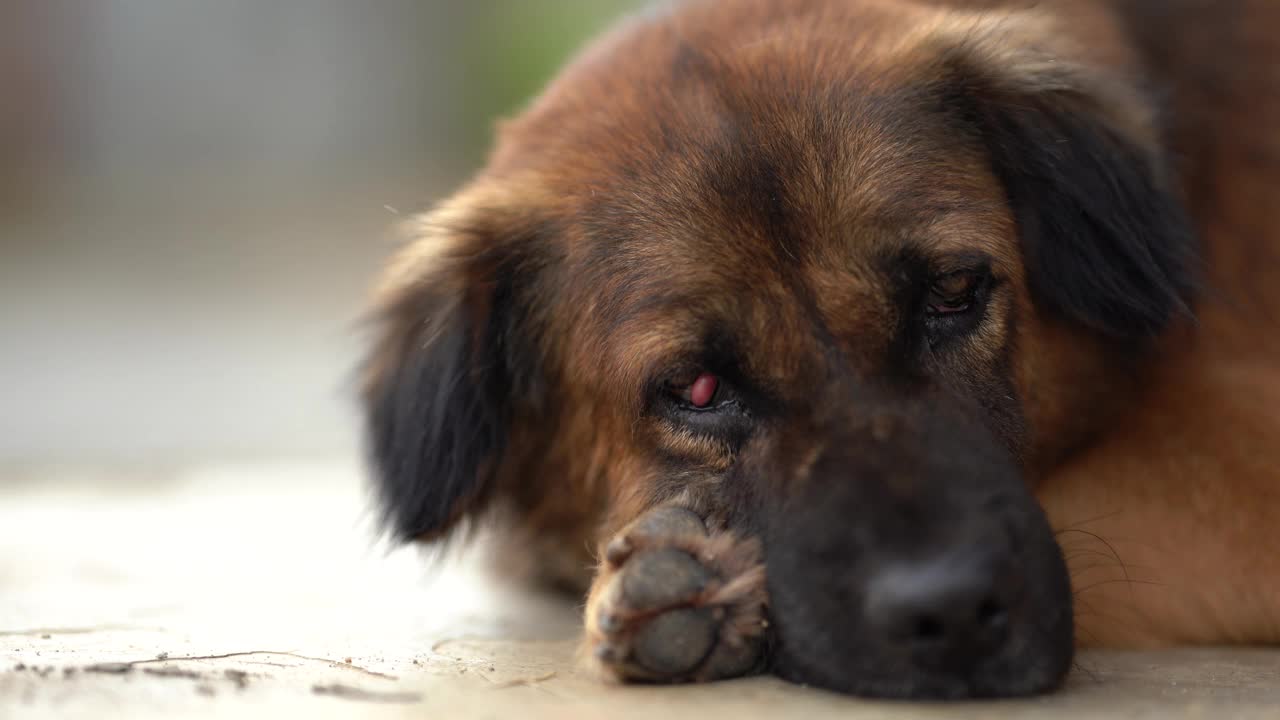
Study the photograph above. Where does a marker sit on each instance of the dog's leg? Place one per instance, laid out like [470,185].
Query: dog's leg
[672,602]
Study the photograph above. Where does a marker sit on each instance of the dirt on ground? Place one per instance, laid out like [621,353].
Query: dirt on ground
[262,592]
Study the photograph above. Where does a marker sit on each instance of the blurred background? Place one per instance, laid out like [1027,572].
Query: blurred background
[195,195]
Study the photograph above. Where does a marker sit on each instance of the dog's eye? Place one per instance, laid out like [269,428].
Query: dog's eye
[955,305]
[954,293]
[700,393]
[706,403]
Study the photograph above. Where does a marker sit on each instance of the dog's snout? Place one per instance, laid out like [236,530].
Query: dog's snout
[913,561]
[944,614]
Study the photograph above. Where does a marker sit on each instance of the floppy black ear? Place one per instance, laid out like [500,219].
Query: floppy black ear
[450,366]
[1106,239]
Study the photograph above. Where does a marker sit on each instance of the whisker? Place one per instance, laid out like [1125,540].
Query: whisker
[1123,568]
[1127,581]
[1086,553]
[1090,521]
[1079,570]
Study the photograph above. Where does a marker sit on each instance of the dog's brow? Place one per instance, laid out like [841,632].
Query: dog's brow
[959,261]
[646,308]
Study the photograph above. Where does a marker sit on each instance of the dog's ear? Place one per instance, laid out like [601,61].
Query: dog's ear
[454,362]
[1106,239]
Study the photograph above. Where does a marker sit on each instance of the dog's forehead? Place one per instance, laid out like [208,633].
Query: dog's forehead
[728,181]
[719,195]
[775,244]
[670,140]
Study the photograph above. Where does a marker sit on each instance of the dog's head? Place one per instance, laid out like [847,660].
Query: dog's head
[852,275]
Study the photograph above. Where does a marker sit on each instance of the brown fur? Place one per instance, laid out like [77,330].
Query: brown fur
[1156,461]
[1183,487]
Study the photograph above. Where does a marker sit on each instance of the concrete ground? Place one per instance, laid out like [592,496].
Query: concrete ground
[257,591]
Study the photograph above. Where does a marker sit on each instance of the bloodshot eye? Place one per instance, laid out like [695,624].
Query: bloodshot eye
[704,403]
[703,390]
[700,393]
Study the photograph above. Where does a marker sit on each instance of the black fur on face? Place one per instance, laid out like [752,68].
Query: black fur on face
[906,557]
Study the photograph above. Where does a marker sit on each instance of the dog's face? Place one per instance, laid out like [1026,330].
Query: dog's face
[845,282]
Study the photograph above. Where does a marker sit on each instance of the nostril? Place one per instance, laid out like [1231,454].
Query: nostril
[943,612]
[992,613]
[929,629]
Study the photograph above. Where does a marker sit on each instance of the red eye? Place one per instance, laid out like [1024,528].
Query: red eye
[703,390]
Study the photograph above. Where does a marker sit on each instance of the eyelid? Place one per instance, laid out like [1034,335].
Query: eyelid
[969,282]
[968,262]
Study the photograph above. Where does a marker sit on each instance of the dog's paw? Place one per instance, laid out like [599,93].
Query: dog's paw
[674,603]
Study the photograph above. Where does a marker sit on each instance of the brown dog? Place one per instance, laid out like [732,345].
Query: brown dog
[792,309]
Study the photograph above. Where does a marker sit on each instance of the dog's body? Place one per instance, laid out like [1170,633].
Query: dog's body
[1185,485]
[784,307]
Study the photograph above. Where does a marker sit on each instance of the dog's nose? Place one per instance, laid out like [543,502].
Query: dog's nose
[945,614]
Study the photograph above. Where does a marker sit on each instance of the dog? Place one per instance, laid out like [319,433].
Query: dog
[895,347]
